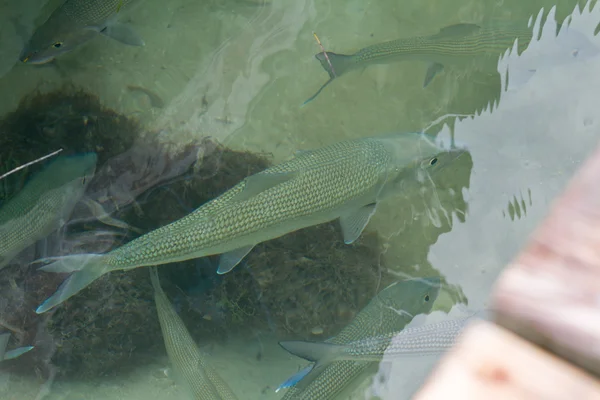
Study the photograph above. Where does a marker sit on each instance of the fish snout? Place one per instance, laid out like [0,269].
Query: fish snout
[24,56]
[34,58]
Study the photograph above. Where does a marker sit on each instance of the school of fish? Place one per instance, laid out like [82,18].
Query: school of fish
[344,181]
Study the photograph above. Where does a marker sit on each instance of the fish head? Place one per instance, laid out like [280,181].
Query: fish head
[412,296]
[415,157]
[75,166]
[50,41]
[73,172]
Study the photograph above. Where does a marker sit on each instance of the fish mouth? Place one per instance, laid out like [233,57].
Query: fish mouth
[30,58]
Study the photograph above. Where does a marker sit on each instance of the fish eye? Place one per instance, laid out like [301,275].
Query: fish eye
[426,297]
[433,161]
[57,45]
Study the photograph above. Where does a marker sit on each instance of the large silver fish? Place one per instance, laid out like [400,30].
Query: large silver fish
[189,364]
[73,24]
[455,45]
[389,311]
[434,338]
[44,204]
[345,180]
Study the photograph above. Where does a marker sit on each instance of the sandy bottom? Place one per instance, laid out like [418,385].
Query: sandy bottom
[249,377]
[253,369]
[237,363]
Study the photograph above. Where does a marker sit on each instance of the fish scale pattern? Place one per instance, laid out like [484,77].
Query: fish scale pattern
[320,181]
[38,208]
[91,13]
[426,339]
[378,317]
[189,363]
[480,42]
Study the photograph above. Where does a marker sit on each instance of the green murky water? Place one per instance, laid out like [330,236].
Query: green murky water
[238,71]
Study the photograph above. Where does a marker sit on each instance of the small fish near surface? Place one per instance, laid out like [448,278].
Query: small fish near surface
[435,338]
[44,204]
[389,311]
[191,369]
[73,24]
[452,45]
[342,181]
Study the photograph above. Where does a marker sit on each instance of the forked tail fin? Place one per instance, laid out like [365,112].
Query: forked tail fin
[322,354]
[87,267]
[335,65]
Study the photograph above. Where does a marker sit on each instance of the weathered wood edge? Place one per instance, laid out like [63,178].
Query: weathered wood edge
[546,305]
[550,294]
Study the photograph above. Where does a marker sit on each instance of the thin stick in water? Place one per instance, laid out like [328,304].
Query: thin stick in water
[325,54]
[30,163]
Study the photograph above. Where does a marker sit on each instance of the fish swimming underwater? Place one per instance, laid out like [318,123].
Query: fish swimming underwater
[73,24]
[453,45]
[345,180]
[44,204]
[189,364]
[10,354]
[389,311]
[434,338]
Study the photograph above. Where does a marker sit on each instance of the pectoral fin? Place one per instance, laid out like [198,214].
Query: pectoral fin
[122,33]
[100,213]
[432,71]
[353,224]
[260,182]
[12,354]
[229,260]
[314,96]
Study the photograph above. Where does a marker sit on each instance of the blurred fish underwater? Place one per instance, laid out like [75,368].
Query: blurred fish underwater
[76,22]
[434,338]
[454,45]
[191,366]
[463,44]
[44,204]
[389,311]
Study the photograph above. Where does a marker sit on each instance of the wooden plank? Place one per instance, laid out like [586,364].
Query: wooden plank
[491,363]
[550,295]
